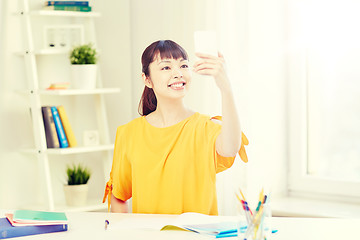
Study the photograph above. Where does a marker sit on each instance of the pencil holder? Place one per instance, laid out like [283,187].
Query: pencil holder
[254,223]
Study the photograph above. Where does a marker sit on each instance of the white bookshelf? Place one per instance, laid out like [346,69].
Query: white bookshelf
[31,17]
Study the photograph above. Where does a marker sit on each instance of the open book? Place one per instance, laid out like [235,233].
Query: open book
[214,226]
[217,230]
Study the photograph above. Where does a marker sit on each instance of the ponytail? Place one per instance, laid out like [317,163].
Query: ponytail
[148,102]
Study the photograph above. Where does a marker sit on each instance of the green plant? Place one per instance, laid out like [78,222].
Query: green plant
[83,54]
[77,174]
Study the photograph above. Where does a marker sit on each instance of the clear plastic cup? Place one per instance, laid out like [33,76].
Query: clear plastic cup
[256,226]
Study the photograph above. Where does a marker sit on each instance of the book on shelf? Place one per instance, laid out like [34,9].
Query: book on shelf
[67,127]
[52,140]
[68,8]
[60,85]
[27,222]
[67,3]
[59,128]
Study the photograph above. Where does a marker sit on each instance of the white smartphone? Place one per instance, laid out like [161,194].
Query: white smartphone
[206,42]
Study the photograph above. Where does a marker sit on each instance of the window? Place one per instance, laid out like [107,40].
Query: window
[324,94]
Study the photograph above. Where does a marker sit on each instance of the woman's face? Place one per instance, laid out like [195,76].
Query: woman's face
[169,78]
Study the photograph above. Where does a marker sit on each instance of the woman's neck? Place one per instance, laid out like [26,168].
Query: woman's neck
[169,114]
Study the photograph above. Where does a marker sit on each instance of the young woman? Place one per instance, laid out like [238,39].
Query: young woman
[167,159]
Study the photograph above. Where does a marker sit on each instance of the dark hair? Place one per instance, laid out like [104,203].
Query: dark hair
[166,49]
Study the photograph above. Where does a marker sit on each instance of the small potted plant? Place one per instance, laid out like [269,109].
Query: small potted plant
[83,59]
[77,185]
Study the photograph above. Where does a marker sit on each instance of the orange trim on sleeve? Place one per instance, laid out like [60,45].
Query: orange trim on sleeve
[108,192]
[242,152]
[244,141]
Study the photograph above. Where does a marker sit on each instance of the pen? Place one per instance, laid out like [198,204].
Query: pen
[242,194]
[245,207]
[106,224]
[261,198]
[254,223]
[245,201]
[265,198]
[246,210]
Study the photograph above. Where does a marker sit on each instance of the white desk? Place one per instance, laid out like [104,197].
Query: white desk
[90,225]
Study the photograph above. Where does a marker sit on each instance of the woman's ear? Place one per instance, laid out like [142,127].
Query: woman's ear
[146,80]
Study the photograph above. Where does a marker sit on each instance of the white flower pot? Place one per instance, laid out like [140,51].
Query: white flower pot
[76,195]
[83,76]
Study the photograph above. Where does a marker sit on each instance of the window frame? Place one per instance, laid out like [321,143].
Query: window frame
[299,181]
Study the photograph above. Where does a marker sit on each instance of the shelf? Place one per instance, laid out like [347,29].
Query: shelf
[52,51]
[46,51]
[64,13]
[67,92]
[79,91]
[43,52]
[73,150]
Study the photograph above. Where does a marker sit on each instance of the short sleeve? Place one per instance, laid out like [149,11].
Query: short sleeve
[121,168]
[120,183]
[213,131]
[223,163]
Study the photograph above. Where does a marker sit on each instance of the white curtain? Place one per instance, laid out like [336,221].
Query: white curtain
[231,26]
[253,40]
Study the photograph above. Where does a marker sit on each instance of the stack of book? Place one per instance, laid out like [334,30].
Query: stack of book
[58,131]
[59,85]
[80,6]
[28,222]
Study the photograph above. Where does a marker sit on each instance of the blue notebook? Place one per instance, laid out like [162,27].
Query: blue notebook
[67,3]
[59,128]
[8,231]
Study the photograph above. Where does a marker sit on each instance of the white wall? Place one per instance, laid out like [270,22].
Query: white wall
[114,39]
[267,96]
[16,170]
[2,62]
[253,44]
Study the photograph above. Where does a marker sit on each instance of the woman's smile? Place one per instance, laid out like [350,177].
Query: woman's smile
[177,85]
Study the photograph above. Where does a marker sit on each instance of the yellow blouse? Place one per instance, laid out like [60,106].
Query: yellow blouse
[168,170]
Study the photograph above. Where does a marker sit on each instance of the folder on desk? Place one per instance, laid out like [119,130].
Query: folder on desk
[31,217]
